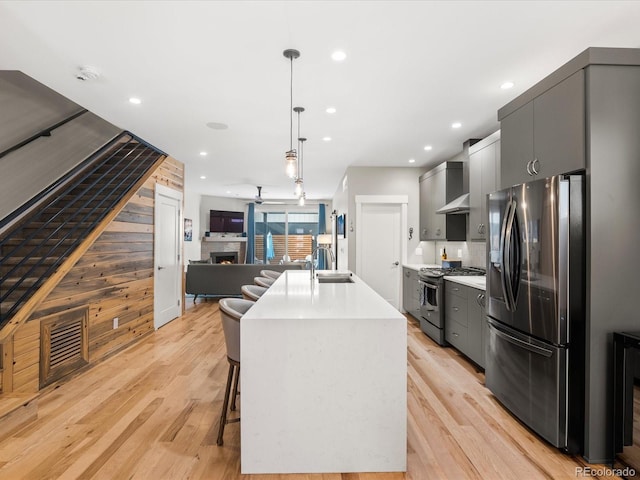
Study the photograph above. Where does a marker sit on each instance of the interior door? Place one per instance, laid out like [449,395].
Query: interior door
[167,261]
[381,255]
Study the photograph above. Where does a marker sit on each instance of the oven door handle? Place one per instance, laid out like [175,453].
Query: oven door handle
[428,285]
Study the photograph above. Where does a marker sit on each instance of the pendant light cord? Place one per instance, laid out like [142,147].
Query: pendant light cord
[300,147]
[291,108]
[300,168]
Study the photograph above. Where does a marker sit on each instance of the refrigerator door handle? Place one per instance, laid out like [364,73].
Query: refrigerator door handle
[514,268]
[508,259]
[503,253]
[520,343]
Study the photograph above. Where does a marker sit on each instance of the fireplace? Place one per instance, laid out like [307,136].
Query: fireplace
[224,257]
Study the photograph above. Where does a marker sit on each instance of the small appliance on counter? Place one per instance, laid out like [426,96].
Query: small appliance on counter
[451,263]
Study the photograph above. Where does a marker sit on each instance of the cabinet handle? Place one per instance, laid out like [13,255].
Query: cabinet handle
[529,168]
[438,232]
[424,232]
[484,229]
[479,299]
[534,168]
[455,309]
[455,334]
[479,228]
[456,289]
[407,274]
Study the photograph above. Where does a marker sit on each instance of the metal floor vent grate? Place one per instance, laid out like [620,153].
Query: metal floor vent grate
[63,344]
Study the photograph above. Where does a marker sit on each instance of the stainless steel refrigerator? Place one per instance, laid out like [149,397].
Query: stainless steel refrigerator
[535,306]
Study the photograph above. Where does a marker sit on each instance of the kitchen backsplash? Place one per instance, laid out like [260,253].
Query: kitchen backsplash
[472,254]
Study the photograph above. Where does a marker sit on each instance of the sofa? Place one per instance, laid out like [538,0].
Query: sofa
[226,280]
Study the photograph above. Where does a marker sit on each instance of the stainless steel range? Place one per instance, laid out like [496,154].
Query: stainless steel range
[432,298]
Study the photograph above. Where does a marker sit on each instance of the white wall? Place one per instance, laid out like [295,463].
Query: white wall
[381,181]
[340,204]
[192,211]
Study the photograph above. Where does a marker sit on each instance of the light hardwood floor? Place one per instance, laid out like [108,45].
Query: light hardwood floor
[151,412]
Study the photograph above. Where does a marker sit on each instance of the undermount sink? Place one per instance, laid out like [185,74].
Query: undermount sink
[334,277]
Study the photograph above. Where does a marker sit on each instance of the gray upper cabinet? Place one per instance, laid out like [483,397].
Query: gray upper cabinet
[546,136]
[437,188]
[484,168]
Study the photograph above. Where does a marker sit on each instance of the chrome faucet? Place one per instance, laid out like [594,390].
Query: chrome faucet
[313,254]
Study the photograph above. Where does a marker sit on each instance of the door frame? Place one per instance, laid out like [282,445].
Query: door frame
[403,201]
[161,190]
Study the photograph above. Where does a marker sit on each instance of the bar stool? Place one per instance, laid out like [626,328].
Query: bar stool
[252,292]
[231,312]
[270,273]
[264,281]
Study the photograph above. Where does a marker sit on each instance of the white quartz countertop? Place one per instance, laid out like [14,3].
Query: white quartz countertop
[418,266]
[293,295]
[324,379]
[479,281]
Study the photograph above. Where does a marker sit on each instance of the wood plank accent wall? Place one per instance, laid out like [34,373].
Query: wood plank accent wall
[114,278]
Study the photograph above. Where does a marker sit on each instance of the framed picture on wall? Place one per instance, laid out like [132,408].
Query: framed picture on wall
[340,222]
[188,230]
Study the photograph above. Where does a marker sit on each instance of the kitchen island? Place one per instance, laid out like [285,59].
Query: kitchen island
[324,379]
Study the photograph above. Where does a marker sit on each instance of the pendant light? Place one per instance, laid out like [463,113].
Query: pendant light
[299,181]
[291,157]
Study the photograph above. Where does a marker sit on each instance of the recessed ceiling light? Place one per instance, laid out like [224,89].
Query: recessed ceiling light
[135,101]
[412,160]
[507,85]
[228,191]
[203,154]
[338,55]
[202,177]
[428,147]
[331,109]
[456,125]
[326,139]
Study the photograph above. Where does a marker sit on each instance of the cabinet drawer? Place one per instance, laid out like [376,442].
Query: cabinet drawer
[456,309]
[453,288]
[457,336]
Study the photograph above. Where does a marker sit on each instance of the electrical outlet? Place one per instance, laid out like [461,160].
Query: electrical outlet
[115,322]
[459,253]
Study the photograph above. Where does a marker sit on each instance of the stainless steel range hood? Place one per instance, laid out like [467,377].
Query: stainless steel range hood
[459,205]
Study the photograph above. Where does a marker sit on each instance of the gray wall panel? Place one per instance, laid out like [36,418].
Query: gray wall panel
[28,107]
[613,235]
[27,171]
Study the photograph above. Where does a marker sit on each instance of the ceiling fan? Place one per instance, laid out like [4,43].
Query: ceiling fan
[260,201]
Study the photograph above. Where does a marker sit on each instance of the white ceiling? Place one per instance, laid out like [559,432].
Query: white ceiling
[412,68]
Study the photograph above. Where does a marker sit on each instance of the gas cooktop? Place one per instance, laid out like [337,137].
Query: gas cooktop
[455,271]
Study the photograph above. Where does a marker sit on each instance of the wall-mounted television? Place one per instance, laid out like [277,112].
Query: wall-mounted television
[223,221]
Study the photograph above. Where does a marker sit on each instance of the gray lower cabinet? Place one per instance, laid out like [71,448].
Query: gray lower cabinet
[546,136]
[465,323]
[411,292]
